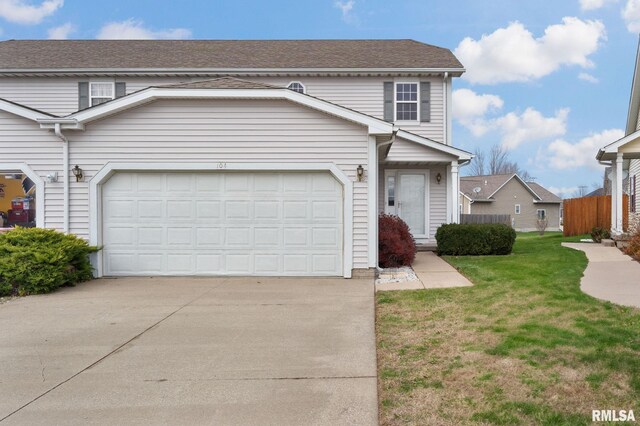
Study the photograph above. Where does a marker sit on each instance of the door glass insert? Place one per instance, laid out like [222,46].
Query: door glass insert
[412,201]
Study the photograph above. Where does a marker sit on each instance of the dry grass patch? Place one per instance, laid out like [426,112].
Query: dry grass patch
[523,346]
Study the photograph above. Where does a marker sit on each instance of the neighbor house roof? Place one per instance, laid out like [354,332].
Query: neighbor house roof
[545,195]
[483,188]
[223,55]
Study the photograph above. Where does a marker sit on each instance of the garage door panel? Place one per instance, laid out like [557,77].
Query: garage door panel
[222,224]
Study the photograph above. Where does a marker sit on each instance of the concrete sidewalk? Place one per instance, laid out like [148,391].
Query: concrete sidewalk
[245,351]
[610,275]
[432,272]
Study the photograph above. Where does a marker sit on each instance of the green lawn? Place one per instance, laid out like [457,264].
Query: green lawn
[523,346]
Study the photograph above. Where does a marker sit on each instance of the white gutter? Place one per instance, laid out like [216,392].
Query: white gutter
[65,174]
[235,71]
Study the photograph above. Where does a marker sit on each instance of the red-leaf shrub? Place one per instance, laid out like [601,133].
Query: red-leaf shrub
[396,246]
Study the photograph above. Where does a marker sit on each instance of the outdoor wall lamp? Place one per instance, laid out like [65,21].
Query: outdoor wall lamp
[77,172]
[438,178]
[360,172]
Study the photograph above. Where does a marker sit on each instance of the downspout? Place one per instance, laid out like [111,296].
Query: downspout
[444,98]
[65,175]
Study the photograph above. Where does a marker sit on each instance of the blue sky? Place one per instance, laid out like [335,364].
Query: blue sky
[550,81]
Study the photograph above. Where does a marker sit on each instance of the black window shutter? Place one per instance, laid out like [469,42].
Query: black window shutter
[425,101]
[83,95]
[121,89]
[388,101]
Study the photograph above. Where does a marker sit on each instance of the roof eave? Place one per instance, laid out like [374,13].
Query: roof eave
[452,71]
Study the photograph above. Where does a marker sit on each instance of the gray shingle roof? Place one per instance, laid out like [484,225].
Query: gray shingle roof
[222,54]
[490,183]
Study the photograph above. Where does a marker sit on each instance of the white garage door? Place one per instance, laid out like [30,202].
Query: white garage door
[222,224]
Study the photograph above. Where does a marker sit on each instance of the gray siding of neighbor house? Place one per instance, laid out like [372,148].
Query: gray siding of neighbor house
[515,193]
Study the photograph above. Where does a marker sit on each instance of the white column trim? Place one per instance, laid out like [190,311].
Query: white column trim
[455,184]
[614,202]
[95,185]
[372,205]
[37,180]
[619,196]
[448,174]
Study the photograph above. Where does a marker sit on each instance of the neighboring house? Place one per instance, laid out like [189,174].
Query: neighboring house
[526,202]
[623,156]
[232,157]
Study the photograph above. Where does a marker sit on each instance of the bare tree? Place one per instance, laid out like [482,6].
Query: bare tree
[497,162]
[477,166]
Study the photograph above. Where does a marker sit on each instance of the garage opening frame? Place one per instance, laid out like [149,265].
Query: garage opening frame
[110,168]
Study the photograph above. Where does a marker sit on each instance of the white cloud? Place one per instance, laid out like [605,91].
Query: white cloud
[512,54]
[468,104]
[132,29]
[471,109]
[631,15]
[347,9]
[584,76]
[529,126]
[21,12]
[565,155]
[62,32]
[594,4]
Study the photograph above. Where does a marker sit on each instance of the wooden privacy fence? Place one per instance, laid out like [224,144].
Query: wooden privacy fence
[485,218]
[580,215]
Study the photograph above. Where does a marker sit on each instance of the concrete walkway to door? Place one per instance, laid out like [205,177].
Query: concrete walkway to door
[191,351]
[611,275]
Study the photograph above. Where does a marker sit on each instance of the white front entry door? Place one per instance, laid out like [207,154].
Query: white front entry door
[406,197]
[222,224]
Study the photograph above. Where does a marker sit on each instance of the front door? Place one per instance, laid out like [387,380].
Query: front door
[408,190]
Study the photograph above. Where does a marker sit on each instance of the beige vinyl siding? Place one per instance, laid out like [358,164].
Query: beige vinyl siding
[437,194]
[22,141]
[246,131]
[59,95]
[404,150]
[515,193]
[365,94]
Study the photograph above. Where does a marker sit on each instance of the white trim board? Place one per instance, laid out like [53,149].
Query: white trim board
[37,180]
[23,111]
[95,194]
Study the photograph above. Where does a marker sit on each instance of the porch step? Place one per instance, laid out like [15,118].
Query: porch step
[608,243]
[426,247]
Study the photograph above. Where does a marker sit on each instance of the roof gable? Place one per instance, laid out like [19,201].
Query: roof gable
[490,185]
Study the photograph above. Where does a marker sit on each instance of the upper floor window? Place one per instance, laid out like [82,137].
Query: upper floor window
[517,208]
[101,92]
[296,86]
[406,101]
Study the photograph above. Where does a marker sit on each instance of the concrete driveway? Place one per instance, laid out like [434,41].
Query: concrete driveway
[191,351]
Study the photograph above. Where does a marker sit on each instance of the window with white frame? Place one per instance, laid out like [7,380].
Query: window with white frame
[101,92]
[406,101]
[541,213]
[517,208]
[296,86]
